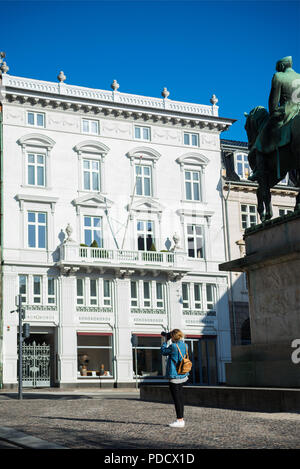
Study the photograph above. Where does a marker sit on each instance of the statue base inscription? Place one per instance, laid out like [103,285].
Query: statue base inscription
[272,263]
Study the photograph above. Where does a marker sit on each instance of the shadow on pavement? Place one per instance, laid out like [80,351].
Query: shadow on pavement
[103,421]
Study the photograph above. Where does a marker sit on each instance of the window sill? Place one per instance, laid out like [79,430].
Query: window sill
[28,186]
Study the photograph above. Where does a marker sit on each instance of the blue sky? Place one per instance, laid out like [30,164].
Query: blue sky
[194,48]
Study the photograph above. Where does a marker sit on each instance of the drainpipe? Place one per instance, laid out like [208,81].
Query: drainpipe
[1,246]
[228,253]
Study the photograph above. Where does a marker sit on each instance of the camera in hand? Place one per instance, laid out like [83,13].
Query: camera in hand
[167,335]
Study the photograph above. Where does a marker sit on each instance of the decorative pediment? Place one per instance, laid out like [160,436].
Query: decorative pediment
[144,153]
[148,205]
[36,140]
[93,200]
[91,146]
[193,158]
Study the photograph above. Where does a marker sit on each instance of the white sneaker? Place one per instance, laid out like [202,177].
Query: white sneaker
[177,424]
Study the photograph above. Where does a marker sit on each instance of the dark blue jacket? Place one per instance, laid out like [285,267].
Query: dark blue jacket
[174,358]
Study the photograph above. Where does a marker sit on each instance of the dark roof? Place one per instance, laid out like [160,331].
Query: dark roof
[234,143]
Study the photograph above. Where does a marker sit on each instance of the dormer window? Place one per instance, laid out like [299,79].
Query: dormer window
[242,168]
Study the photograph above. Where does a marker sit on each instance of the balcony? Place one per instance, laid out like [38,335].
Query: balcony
[72,255]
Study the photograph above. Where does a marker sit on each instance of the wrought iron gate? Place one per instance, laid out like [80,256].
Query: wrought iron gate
[36,365]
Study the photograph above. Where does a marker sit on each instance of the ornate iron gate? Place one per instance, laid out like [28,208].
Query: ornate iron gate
[36,365]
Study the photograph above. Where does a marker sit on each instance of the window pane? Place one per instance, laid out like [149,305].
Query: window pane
[186,139]
[139,189]
[31,178]
[51,286]
[41,217]
[36,285]
[42,237]
[31,236]
[95,181]
[79,287]
[87,221]
[195,140]
[147,186]
[85,126]
[86,177]
[40,120]
[40,176]
[146,133]
[93,285]
[22,284]
[188,190]
[146,290]
[159,291]
[196,192]
[137,132]
[31,216]
[86,164]
[94,127]
[30,118]
[185,291]
[106,288]
[133,290]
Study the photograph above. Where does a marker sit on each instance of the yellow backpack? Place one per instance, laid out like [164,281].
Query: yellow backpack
[185,365]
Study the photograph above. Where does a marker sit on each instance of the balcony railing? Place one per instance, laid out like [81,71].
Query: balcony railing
[83,254]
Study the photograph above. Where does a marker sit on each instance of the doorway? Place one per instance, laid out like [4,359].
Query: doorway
[203,354]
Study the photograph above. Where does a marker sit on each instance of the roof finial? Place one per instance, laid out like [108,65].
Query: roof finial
[165,93]
[61,77]
[3,65]
[214,100]
[115,85]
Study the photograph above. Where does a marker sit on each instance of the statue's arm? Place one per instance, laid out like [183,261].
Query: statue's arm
[274,94]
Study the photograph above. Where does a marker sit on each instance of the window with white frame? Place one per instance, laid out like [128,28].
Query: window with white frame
[107,293]
[147,294]
[93,230]
[198,296]
[285,211]
[91,175]
[145,235]
[195,241]
[37,230]
[23,288]
[146,357]
[93,291]
[80,291]
[37,289]
[90,126]
[192,185]
[36,170]
[143,180]
[248,216]
[32,290]
[191,139]
[142,133]
[242,168]
[36,119]
[51,290]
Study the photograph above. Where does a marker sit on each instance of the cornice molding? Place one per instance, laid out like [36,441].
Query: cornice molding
[112,103]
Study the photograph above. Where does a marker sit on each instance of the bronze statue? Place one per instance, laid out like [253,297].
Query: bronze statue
[274,137]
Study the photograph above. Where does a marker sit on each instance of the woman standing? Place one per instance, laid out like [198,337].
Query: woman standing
[176,381]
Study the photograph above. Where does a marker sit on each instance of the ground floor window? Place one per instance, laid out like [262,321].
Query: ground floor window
[147,358]
[203,353]
[95,357]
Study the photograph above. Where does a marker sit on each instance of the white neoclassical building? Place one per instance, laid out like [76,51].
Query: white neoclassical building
[112,232]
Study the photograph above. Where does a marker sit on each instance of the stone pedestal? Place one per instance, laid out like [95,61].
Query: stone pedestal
[272,263]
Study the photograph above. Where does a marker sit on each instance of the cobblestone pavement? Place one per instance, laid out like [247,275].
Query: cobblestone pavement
[120,420]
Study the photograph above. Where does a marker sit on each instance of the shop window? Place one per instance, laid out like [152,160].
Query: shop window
[147,358]
[95,357]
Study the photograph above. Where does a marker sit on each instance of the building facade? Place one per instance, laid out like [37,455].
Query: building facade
[112,232]
[240,212]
